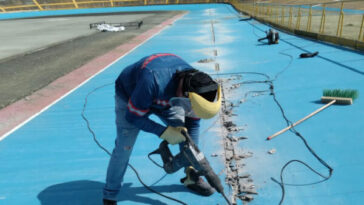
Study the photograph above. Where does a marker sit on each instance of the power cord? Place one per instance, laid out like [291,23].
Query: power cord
[107,151]
[293,130]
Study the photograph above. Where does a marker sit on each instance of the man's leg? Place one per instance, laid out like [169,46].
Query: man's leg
[126,136]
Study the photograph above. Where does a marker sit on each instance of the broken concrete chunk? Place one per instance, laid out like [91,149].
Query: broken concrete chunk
[206,60]
[241,165]
[233,129]
[233,139]
[242,138]
[247,188]
[234,86]
[232,164]
[245,155]
[250,191]
[246,197]
[229,124]
[272,151]
[244,176]
[229,156]
[214,155]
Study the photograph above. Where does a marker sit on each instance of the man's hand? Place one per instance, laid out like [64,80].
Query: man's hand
[173,135]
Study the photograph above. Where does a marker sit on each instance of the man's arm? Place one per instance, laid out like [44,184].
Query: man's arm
[139,103]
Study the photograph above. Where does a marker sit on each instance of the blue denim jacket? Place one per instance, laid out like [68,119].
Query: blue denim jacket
[147,86]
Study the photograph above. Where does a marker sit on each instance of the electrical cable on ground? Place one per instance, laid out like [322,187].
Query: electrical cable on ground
[293,130]
[281,182]
[107,151]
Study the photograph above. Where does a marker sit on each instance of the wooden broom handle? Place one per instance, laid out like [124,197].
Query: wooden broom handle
[301,120]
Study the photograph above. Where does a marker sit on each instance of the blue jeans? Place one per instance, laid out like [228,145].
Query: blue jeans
[124,143]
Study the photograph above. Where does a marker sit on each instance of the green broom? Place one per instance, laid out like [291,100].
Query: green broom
[338,96]
[343,97]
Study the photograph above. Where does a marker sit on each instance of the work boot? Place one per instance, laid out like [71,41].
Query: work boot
[195,183]
[109,202]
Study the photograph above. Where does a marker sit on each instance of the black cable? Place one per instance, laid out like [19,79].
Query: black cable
[289,123]
[293,130]
[107,151]
[152,190]
[281,182]
[154,162]
[86,120]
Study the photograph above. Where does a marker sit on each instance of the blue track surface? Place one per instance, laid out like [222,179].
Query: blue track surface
[54,160]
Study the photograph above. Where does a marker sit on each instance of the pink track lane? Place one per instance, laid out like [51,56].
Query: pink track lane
[18,113]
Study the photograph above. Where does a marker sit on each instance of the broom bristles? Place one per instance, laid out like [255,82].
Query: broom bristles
[348,93]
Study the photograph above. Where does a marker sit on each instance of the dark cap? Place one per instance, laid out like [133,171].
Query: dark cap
[200,83]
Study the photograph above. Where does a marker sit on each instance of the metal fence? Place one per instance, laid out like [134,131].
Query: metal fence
[340,22]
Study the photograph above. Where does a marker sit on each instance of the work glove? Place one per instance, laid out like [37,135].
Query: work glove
[173,135]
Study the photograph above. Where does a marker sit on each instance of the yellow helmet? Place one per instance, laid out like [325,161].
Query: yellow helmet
[203,92]
[203,108]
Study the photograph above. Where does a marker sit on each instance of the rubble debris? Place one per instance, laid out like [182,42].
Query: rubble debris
[214,155]
[233,139]
[242,156]
[229,124]
[241,184]
[242,138]
[229,156]
[217,67]
[244,176]
[228,113]
[231,105]
[249,191]
[272,151]
[246,197]
[234,86]
[206,60]
[235,129]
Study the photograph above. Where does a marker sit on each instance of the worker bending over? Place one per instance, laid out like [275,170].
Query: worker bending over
[272,36]
[164,85]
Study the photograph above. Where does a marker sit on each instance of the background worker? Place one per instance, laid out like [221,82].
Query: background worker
[167,86]
[272,36]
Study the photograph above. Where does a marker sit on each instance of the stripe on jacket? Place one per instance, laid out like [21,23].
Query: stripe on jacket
[161,102]
[135,110]
[152,57]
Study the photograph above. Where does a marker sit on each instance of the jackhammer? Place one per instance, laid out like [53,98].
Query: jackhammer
[195,158]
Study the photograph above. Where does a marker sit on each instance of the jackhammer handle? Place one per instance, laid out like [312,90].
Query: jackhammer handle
[187,136]
[189,140]
[207,171]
